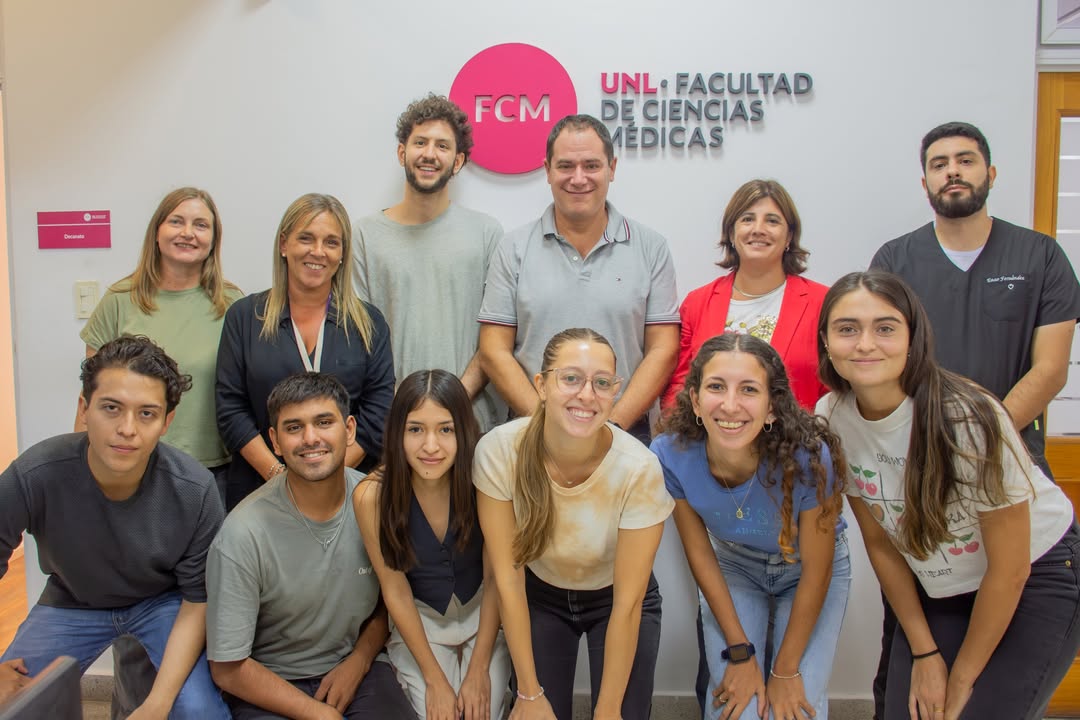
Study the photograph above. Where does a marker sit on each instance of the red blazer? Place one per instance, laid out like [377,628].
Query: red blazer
[704,312]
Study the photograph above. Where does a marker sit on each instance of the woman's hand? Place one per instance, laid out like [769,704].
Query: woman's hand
[740,683]
[474,698]
[440,700]
[957,694]
[929,680]
[786,697]
[538,709]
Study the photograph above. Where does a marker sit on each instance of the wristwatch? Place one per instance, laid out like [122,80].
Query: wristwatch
[740,653]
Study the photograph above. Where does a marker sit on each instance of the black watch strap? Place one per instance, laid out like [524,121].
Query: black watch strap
[740,653]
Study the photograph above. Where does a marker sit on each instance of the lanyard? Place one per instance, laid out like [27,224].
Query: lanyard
[303,348]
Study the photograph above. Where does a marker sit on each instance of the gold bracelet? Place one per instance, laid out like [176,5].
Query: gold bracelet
[275,471]
[785,677]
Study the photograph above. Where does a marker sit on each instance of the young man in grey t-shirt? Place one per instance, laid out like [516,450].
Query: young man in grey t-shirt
[295,624]
[423,261]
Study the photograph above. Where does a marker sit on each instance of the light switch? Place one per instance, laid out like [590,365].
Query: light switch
[86,298]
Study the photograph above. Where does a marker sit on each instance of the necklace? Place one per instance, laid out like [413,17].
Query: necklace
[337,528]
[566,481]
[755,297]
[746,496]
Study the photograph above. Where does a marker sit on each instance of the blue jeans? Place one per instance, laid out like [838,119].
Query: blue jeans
[752,577]
[49,632]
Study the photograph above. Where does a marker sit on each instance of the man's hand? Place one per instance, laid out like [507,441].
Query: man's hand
[13,677]
[149,711]
[338,687]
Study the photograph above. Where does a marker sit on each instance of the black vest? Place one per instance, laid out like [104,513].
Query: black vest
[441,570]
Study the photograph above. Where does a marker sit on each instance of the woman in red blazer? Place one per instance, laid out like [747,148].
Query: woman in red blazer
[763,295]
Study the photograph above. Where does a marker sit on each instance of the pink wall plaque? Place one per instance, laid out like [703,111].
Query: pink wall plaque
[74,229]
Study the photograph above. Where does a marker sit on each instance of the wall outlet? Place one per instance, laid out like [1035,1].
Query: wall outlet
[86,298]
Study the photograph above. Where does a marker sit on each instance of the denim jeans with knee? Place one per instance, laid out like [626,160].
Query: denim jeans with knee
[752,577]
[560,617]
[49,632]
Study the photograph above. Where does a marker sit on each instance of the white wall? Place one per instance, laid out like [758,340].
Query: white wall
[110,104]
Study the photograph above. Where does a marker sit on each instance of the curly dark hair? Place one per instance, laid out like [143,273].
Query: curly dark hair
[437,107]
[793,429]
[141,355]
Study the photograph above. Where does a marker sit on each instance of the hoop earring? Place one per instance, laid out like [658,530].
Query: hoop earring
[767,427]
[697,419]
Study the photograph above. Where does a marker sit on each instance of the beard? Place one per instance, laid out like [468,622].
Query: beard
[961,206]
[438,184]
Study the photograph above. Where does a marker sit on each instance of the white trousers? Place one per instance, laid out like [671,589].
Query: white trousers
[452,638]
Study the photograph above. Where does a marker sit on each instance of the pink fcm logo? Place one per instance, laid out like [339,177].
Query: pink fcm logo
[513,94]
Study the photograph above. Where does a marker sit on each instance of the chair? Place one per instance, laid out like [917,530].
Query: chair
[53,694]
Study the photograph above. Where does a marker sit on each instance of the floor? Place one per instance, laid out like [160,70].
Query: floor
[12,598]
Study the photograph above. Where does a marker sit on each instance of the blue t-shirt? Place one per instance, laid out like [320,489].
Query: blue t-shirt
[687,476]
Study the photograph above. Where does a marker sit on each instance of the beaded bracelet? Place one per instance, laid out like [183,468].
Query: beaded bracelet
[785,677]
[530,698]
[275,471]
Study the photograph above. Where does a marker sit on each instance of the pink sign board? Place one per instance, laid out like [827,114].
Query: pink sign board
[513,94]
[74,229]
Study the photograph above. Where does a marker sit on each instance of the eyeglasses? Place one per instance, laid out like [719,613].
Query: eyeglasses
[572,380]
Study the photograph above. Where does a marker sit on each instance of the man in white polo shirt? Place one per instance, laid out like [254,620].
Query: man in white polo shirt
[582,264]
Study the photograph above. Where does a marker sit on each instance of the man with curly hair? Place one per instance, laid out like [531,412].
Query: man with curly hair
[423,261]
[123,524]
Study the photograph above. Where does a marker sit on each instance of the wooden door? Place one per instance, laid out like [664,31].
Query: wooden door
[1059,98]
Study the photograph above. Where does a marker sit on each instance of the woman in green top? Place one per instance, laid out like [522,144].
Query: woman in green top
[177,296]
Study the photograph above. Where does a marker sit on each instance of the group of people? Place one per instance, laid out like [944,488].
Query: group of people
[424,509]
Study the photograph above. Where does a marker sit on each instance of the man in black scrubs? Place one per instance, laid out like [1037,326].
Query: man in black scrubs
[1003,300]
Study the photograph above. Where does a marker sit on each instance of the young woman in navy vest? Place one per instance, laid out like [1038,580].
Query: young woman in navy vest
[419,525]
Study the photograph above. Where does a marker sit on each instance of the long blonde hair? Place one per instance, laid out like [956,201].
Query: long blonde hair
[346,303]
[532,486]
[144,282]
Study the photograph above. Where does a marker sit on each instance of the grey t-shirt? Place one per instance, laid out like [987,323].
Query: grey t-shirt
[539,284]
[276,596]
[100,553]
[428,280]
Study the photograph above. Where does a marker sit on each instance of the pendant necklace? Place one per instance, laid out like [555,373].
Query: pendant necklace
[337,528]
[739,514]
[566,481]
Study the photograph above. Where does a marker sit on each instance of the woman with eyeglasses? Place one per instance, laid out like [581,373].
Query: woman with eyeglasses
[572,510]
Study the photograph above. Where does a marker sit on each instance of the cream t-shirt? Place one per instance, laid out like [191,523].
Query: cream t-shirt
[876,452]
[626,492]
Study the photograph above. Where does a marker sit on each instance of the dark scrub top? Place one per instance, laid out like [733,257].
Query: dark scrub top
[984,318]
